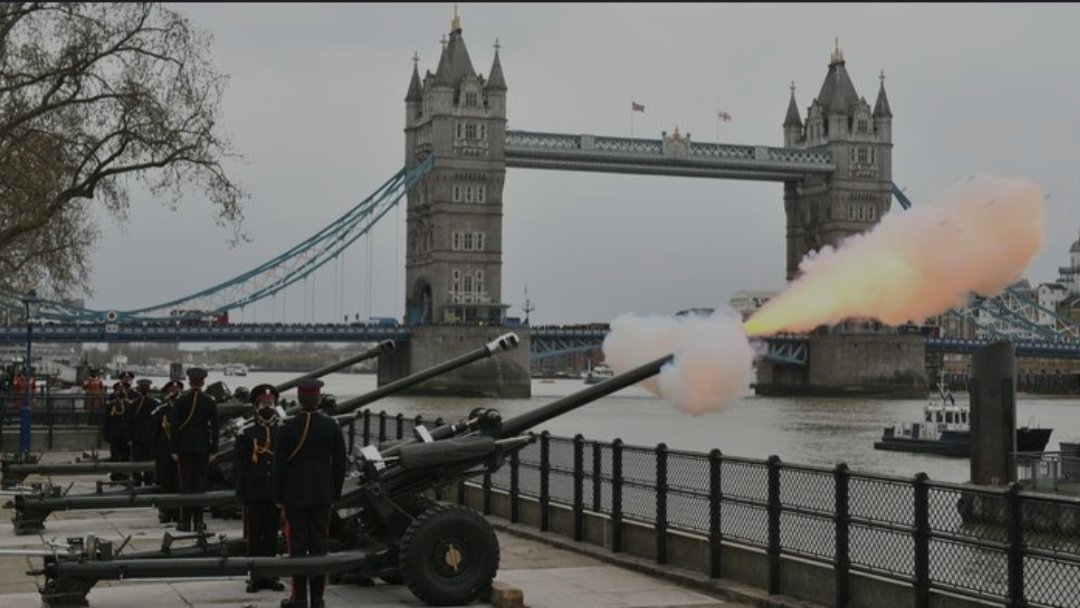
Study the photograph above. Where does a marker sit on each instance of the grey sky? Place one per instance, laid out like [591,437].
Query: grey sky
[316,105]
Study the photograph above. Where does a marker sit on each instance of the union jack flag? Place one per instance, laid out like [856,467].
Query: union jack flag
[724,116]
[637,107]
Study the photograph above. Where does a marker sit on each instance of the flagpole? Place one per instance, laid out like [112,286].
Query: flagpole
[631,119]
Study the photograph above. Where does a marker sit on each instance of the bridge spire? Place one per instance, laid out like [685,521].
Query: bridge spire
[455,23]
[792,119]
[496,81]
[837,54]
[881,106]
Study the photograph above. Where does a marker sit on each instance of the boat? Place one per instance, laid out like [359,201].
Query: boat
[597,374]
[236,369]
[945,430]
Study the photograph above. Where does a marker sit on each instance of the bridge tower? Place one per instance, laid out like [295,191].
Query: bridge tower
[823,210]
[453,243]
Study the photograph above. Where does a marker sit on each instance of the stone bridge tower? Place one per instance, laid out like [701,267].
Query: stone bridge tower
[823,210]
[453,243]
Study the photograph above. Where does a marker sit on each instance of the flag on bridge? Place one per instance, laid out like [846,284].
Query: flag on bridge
[637,107]
[724,116]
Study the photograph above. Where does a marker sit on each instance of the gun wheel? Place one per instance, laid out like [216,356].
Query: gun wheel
[448,556]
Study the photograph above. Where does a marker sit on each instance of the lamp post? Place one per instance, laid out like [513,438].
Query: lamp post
[24,422]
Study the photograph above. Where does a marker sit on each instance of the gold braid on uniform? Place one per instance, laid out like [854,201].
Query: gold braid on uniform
[166,426]
[264,449]
[119,408]
[303,437]
[191,412]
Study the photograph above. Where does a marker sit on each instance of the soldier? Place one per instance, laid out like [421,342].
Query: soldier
[114,428]
[141,429]
[194,427]
[253,474]
[309,471]
[165,470]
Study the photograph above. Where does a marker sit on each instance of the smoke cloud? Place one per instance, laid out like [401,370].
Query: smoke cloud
[977,236]
[712,362]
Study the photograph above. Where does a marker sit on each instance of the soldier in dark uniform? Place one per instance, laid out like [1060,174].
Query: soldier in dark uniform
[141,429]
[309,470]
[253,474]
[165,470]
[114,427]
[194,427]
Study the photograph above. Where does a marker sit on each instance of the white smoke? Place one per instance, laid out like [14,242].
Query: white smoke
[712,362]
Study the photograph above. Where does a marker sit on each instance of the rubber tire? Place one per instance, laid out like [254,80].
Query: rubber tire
[480,546]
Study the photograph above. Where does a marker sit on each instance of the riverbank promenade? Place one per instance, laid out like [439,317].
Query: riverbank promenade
[547,575]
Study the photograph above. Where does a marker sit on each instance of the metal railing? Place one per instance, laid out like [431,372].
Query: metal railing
[1003,546]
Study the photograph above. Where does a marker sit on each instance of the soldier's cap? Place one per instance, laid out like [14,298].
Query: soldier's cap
[144,382]
[126,376]
[309,388]
[171,384]
[117,386]
[196,373]
[263,392]
[94,372]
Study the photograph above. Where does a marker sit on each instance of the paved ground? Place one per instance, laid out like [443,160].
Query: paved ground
[549,577]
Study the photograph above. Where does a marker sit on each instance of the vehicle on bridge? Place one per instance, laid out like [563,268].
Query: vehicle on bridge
[199,318]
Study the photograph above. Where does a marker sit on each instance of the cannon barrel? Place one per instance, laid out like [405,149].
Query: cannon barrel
[523,422]
[14,473]
[503,343]
[233,408]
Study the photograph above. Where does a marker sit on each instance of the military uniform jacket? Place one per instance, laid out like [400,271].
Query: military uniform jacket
[194,423]
[140,418]
[309,461]
[253,469]
[114,418]
[161,418]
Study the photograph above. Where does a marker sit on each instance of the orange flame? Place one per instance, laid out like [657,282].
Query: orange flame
[979,237]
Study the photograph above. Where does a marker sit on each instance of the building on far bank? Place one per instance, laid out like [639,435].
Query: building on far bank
[748,302]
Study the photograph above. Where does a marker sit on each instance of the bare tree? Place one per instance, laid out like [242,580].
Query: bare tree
[92,97]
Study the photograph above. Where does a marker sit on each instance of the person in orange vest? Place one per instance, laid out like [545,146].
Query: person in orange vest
[18,385]
[94,388]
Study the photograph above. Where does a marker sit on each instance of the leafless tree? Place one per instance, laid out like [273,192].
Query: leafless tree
[93,99]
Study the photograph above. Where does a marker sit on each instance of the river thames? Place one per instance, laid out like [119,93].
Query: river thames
[812,431]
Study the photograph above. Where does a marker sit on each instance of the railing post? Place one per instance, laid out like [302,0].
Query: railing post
[1015,510]
[487,494]
[716,534]
[773,467]
[616,495]
[515,487]
[352,435]
[382,426]
[400,432]
[367,427]
[842,519]
[661,504]
[597,476]
[545,474]
[579,487]
[921,536]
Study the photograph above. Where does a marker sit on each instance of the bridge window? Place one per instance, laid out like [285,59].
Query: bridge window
[455,244]
[862,125]
[468,242]
[871,212]
[469,193]
[872,156]
[457,130]
[851,212]
[483,131]
[470,99]
[480,192]
[478,240]
[457,194]
[470,130]
[864,155]
[862,212]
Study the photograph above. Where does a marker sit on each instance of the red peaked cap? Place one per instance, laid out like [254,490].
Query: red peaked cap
[263,391]
[309,388]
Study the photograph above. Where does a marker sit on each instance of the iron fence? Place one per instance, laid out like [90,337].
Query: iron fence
[1004,546]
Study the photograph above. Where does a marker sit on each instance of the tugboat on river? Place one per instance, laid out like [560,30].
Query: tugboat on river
[945,430]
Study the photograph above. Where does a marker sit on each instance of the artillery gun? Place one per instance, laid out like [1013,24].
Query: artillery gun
[14,472]
[31,509]
[384,524]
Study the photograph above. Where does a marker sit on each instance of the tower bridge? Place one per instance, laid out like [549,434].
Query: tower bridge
[835,166]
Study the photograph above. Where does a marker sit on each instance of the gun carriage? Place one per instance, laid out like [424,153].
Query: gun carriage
[31,509]
[385,525]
